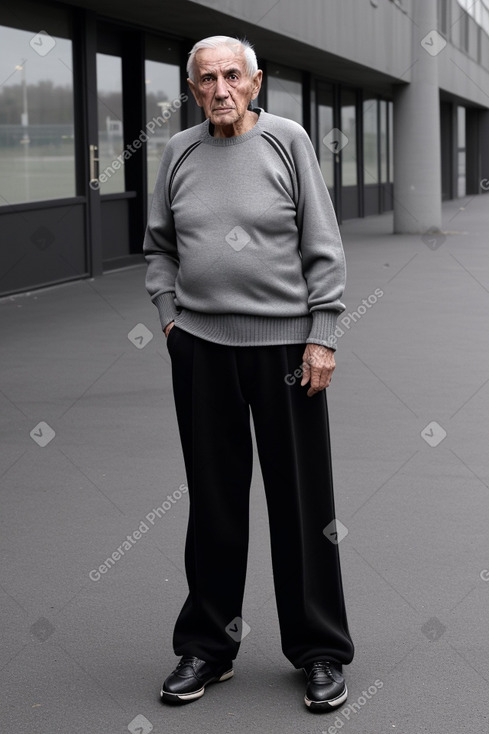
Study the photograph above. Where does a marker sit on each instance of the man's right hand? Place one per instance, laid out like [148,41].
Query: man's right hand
[168,328]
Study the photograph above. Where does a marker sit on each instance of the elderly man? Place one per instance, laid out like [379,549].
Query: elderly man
[246,268]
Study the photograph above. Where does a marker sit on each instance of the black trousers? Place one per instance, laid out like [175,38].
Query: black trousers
[215,387]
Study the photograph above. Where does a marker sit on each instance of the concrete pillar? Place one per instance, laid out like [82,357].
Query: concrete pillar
[417,161]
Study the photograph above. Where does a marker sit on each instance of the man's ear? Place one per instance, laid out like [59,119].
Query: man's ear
[256,83]
[195,91]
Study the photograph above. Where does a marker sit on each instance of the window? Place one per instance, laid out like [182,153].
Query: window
[464,31]
[325,119]
[110,126]
[461,176]
[37,136]
[284,95]
[384,153]
[390,127]
[162,92]
[370,142]
[349,128]
[443,17]
[164,101]
[477,9]
[163,104]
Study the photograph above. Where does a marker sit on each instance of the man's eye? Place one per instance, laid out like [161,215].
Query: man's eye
[233,77]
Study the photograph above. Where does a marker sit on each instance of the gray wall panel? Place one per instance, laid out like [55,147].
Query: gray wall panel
[115,228]
[462,76]
[377,37]
[41,246]
[347,40]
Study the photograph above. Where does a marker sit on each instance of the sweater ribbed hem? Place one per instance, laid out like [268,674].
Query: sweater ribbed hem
[238,330]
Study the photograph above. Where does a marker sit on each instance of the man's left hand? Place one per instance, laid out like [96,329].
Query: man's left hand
[318,364]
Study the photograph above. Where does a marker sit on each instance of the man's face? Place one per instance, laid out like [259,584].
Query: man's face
[222,86]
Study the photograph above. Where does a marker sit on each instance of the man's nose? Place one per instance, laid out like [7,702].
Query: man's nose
[221,88]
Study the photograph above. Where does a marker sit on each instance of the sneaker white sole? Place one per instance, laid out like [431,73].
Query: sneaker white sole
[188,697]
[331,704]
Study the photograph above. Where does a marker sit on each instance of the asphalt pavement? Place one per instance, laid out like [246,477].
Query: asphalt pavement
[94,505]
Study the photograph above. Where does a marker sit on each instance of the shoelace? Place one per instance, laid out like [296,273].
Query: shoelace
[186,661]
[321,666]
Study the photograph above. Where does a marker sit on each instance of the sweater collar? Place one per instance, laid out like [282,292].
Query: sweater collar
[236,139]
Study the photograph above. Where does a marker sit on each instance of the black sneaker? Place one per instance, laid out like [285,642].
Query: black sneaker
[190,677]
[326,687]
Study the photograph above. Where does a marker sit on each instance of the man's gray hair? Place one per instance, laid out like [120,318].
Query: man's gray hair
[215,42]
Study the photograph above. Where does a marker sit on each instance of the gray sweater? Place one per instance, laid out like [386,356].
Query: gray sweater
[242,243]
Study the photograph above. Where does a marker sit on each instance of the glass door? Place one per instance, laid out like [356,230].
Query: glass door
[163,102]
[139,107]
[110,124]
[110,158]
[371,156]
[349,160]
[328,140]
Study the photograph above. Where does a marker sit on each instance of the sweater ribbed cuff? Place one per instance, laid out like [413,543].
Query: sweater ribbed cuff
[165,303]
[323,329]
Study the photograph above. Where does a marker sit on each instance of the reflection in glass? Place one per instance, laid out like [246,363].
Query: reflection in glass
[162,89]
[110,127]
[284,92]
[325,125]
[37,139]
[390,109]
[461,173]
[383,141]
[370,142]
[348,128]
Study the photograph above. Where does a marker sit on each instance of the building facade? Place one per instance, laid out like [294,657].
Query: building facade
[394,94]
